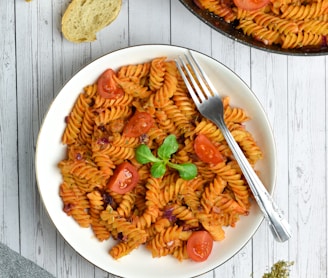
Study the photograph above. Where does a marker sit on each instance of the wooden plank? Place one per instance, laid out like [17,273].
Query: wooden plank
[113,37]
[181,37]
[232,54]
[270,86]
[71,264]
[236,57]
[68,58]
[148,22]
[9,212]
[326,154]
[307,90]
[34,68]
[292,90]
[185,34]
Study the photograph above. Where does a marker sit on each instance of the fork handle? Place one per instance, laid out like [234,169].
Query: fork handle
[277,223]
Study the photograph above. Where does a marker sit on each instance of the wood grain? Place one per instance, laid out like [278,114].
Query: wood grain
[36,62]
[9,213]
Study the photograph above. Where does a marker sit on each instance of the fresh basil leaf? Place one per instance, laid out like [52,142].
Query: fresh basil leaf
[144,155]
[158,169]
[169,147]
[187,171]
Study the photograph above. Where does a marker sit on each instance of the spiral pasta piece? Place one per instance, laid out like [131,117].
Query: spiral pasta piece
[180,252]
[185,214]
[166,241]
[96,207]
[302,12]
[157,72]
[166,91]
[126,205]
[112,114]
[88,172]
[121,249]
[275,23]
[75,204]
[213,225]
[134,89]
[314,27]
[100,103]
[182,101]
[301,39]
[134,72]
[180,121]
[259,32]
[74,119]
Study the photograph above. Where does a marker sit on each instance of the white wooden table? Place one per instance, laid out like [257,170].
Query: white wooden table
[35,63]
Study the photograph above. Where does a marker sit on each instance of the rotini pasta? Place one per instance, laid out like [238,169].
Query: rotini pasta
[159,213]
[288,23]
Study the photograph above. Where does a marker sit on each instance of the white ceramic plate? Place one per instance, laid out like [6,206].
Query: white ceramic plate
[140,263]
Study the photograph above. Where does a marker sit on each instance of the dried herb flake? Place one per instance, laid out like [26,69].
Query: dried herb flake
[279,270]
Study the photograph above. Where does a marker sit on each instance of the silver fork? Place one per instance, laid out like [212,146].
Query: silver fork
[210,106]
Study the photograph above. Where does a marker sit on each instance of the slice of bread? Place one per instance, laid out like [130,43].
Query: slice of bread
[84,18]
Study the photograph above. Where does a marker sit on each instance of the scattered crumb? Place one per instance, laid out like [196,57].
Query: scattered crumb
[279,270]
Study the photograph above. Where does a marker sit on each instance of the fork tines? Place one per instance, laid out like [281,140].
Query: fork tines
[195,77]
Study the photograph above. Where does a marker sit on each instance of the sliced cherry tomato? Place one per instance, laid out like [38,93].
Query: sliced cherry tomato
[107,87]
[140,123]
[124,179]
[251,5]
[199,246]
[206,150]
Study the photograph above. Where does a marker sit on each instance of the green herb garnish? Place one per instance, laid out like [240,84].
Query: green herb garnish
[187,171]
[279,270]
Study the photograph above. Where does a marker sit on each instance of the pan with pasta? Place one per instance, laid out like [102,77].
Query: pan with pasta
[291,27]
[120,171]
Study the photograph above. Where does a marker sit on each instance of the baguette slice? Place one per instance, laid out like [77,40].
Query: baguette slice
[84,18]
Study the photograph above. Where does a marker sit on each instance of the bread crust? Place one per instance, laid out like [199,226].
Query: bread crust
[84,18]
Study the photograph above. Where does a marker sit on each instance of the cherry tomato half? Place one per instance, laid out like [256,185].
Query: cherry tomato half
[251,5]
[199,246]
[206,150]
[140,123]
[107,87]
[124,179]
